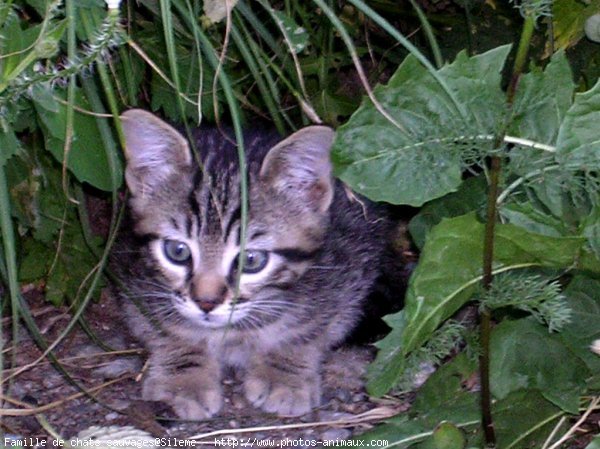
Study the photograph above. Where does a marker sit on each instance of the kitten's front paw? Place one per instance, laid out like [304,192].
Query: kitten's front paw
[189,396]
[294,398]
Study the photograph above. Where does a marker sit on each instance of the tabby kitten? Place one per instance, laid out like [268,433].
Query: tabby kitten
[312,255]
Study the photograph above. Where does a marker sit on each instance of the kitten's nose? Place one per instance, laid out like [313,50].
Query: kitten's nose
[208,290]
[208,304]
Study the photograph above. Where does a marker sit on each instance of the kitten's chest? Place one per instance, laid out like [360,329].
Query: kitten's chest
[234,348]
[230,348]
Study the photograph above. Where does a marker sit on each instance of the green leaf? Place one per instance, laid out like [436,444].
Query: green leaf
[578,143]
[524,419]
[36,262]
[296,37]
[402,432]
[9,145]
[423,159]
[74,262]
[448,273]
[541,101]
[469,197]
[568,17]
[64,266]
[191,72]
[526,216]
[584,328]
[87,159]
[524,355]
[14,47]
[444,385]
[595,443]
[388,367]
[448,436]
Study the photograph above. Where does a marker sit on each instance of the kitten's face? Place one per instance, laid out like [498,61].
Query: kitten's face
[191,220]
[201,267]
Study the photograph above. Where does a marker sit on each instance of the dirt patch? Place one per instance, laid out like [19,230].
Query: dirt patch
[40,401]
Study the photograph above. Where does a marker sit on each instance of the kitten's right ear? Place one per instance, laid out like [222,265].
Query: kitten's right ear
[154,150]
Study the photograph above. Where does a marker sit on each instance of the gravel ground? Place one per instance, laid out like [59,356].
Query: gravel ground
[112,380]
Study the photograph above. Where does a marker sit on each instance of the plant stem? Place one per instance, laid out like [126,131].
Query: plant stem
[488,244]
[521,57]
[485,317]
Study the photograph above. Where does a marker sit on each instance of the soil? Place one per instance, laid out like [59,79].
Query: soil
[46,403]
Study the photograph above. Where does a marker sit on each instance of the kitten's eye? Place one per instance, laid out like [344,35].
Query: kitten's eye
[177,252]
[255,261]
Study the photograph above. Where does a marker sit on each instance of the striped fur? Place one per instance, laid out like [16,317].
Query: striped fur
[312,257]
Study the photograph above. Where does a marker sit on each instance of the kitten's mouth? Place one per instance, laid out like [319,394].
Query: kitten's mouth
[220,317]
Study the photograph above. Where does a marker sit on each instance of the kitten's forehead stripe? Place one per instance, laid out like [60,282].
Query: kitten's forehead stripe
[234,218]
[145,239]
[192,200]
[256,234]
[189,224]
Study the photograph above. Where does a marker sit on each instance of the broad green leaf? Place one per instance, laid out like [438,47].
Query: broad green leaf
[9,144]
[448,273]
[402,432]
[526,216]
[469,197]
[38,201]
[524,419]
[541,101]
[595,444]
[444,385]
[36,261]
[584,328]
[450,267]
[87,159]
[388,366]
[75,261]
[578,142]
[45,98]
[423,158]
[475,82]
[14,47]
[524,355]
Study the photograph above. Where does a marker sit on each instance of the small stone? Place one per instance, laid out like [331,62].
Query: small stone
[111,416]
[342,395]
[359,397]
[51,381]
[238,402]
[336,434]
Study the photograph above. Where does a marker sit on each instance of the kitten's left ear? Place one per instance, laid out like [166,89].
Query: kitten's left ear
[299,167]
